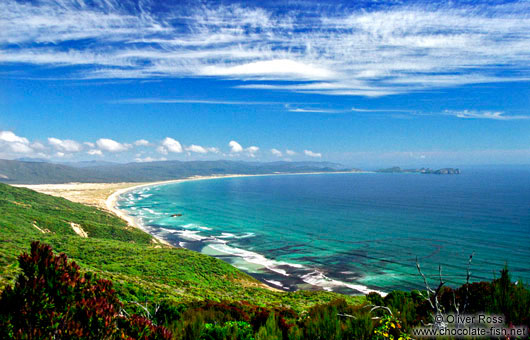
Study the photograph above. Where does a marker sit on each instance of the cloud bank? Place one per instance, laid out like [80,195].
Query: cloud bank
[335,50]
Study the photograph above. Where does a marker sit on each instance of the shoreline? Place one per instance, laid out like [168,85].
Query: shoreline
[109,203]
[316,282]
[112,199]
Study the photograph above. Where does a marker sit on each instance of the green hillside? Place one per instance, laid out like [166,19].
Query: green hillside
[172,293]
[141,268]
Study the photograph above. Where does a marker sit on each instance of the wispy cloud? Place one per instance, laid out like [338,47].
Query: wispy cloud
[314,110]
[276,152]
[188,101]
[356,109]
[495,115]
[385,50]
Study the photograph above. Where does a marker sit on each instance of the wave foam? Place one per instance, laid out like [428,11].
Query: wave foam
[317,278]
[255,258]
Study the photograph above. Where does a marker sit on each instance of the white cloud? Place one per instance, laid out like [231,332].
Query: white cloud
[38,146]
[110,145]
[11,137]
[95,152]
[312,154]
[382,50]
[252,150]
[235,147]
[65,145]
[188,101]
[276,152]
[290,152]
[162,150]
[213,149]
[495,115]
[171,145]
[20,148]
[149,159]
[90,145]
[197,149]
[11,143]
[277,68]
[314,110]
[142,142]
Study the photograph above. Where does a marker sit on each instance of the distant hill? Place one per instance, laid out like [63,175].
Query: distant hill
[21,172]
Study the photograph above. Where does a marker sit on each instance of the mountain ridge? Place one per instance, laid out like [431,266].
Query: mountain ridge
[22,172]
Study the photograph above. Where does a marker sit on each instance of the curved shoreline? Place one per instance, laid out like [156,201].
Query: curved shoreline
[112,199]
[111,204]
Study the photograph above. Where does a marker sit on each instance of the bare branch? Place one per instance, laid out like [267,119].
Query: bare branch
[468,277]
[144,308]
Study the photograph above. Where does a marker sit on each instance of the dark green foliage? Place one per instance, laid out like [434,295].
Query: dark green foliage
[335,320]
[410,307]
[270,330]
[236,330]
[499,297]
[510,300]
[52,299]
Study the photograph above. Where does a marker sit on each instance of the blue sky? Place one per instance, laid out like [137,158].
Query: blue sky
[361,83]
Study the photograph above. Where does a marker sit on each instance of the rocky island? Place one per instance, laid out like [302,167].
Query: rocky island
[444,171]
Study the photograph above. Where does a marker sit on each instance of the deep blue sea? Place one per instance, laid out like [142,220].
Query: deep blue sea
[349,233]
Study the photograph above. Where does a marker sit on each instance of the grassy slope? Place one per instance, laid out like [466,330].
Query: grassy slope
[141,270]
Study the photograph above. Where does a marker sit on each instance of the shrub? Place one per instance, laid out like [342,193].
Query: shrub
[52,299]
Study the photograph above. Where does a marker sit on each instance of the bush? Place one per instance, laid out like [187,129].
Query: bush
[52,299]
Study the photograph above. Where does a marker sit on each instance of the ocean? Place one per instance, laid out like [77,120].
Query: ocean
[349,233]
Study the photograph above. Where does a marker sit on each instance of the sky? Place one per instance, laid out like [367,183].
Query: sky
[362,83]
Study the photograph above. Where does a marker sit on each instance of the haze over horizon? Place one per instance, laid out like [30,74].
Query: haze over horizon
[364,84]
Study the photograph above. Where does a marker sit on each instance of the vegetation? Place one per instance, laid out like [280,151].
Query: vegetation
[53,300]
[141,269]
[125,285]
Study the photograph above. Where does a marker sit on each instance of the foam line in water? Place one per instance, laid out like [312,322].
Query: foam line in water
[317,278]
[230,235]
[275,283]
[255,258]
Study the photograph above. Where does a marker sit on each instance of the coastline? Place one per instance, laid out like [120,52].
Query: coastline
[115,190]
[111,201]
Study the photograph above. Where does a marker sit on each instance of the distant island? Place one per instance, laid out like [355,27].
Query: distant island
[444,171]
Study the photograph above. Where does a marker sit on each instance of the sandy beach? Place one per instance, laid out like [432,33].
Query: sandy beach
[105,195]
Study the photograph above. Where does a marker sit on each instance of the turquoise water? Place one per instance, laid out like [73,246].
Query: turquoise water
[349,233]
